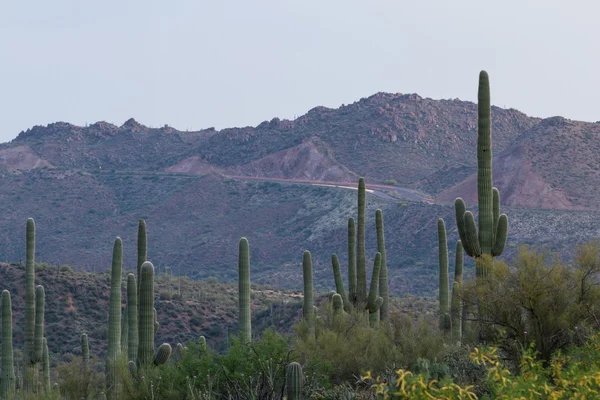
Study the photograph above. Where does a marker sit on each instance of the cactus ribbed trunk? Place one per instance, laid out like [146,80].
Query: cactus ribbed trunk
[308,307]
[443,277]
[38,340]
[114,318]
[132,318]
[7,376]
[125,330]
[361,257]
[294,381]
[484,165]
[245,316]
[351,261]
[383,273]
[456,302]
[29,348]
[163,354]
[146,315]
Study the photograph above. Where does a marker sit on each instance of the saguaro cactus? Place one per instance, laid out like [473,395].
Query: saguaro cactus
[132,318]
[493,227]
[351,261]
[339,282]
[361,259]
[125,330]
[456,303]
[374,302]
[7,380]
[141,247]
[308,307]
[146,315]
[29,349]
[38,341]
[245,322]
[163,354]
[114,316]
[443,277]
[383,273]
[294,381]
[85,350]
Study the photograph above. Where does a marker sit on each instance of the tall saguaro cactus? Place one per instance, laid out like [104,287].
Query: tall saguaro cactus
[455,302]
[294,381]
[383,273]
[308,309]
[361,259]
[114,316]
[493,227]
[444,323]
[146,315]
[141,246]
[29,356]
[38,340]
[351,261]
[374,302]
[245,322]
[7,377]
[132,318]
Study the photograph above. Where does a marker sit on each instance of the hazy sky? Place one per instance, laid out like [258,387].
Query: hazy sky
[199,63]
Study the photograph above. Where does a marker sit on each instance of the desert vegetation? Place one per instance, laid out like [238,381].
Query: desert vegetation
[528,329]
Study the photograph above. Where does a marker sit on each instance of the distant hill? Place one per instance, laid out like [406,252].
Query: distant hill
[86,185]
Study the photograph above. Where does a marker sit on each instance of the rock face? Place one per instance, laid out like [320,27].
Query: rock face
[311,160]
[21,158]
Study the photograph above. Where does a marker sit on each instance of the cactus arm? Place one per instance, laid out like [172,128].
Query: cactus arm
[142,249]
[245,324]
[471,235]
[163,354]
[125,330]
[496,210]
[132,318]
[374,302]
[501,234]
[460,208]
[383,273]
[339,282]
[443,275]
[146,315]
[7,380]
[459,263]
[351,260]
[308,306]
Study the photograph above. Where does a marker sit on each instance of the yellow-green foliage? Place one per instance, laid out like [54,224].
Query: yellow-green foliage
[575,375]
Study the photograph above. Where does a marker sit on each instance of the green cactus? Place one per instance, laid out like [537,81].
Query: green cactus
[493,227]
[455,304]
[132,366]
[38,340]
[163,354]
[245,322]
[374,302]
[146,315]
[7,377]
[179,353]
[29,350]
[308,307]
[46,366]
[337,305]
[156,324]
[202,342]
[443,277]
[351,261]
[294,381]
[383,273]
[85,350]
[132,318]
[141,247]
[339,282]
[361,258]
[125,330]
[114,317]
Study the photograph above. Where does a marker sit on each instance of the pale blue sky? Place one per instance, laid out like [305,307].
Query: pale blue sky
[197,64]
